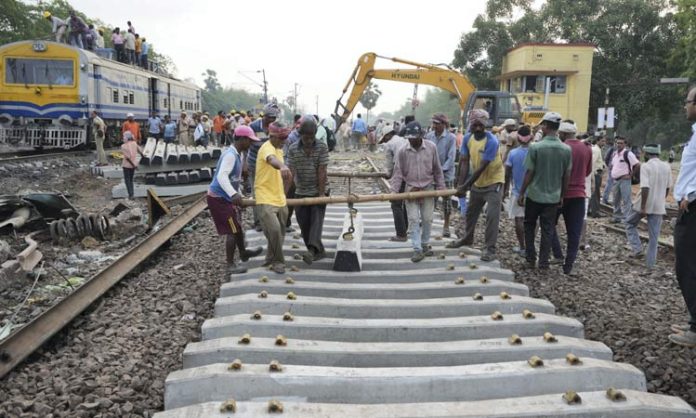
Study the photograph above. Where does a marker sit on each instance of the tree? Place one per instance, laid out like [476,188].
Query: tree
[211,82]
[634,40]
[369,98]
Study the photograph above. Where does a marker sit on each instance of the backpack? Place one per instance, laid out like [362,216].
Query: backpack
[330,138]
[635,174]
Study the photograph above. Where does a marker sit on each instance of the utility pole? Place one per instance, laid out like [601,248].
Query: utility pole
[265,87]
[414,100]
[294,101]
[610,131]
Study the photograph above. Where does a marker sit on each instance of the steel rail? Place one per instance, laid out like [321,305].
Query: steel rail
[31,157]
[20,344]
[383,183]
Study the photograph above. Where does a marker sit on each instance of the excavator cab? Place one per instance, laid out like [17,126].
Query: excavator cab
[500,105]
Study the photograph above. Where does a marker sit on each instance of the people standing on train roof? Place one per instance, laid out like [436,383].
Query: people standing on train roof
[117,40]
[418,166]
[445,141]
[225,199]
[130,47]
[138,49]
[99,39]
[132,126]
[308,160]
[58,26]
[481,151]
[77,30]
[272,180]
[130,26]
[144,50]
[130,151]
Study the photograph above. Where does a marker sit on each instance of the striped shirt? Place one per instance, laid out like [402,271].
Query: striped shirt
[306,166]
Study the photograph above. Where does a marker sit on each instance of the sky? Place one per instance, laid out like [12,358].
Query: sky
[311,43]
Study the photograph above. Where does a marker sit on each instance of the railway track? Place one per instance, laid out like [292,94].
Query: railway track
[24,156]
[449,337]
[643,226]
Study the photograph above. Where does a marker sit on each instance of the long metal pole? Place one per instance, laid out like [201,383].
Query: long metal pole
[355,198]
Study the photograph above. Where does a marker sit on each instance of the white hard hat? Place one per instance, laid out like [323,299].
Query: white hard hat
[552,117]
[510,122]
[130,115]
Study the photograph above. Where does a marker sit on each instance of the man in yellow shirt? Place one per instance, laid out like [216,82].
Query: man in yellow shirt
[481,150]
[272,180]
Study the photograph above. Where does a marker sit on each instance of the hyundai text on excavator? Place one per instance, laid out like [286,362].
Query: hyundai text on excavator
[500,105]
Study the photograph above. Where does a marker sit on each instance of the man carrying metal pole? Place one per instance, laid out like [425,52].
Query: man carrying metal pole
[308,159]
[418,165]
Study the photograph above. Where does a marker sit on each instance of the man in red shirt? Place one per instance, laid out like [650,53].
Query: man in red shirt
[573,203]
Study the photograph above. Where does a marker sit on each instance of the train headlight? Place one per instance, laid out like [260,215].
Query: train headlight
[83,67]
[65,120]
[83,99]
[6,119]
[37,91]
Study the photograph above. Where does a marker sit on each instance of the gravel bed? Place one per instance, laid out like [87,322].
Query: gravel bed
[112,360]
[619,301]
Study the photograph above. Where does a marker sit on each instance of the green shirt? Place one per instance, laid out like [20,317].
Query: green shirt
[549,159]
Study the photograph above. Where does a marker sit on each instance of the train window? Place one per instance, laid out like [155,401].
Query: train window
[131,97]
[51,72]
[125,97]
[164,102]
[115,96]
[181,105]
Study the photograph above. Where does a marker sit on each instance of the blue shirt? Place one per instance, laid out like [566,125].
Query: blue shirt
[359,125]
[258,128]
[144,48]
[686,182]
[235,175]
[490,151]
[170,130]
[153,125]
[515,160]
[446,150]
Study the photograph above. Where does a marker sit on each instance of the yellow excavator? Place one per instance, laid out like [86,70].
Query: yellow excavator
[500,105]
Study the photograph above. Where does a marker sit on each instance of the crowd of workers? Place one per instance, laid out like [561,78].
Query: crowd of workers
[128,46]
[536,174]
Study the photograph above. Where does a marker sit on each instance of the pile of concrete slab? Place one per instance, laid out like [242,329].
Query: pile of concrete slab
[170,169]
[451,336]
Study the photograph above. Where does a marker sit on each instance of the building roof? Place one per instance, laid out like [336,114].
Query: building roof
[572,44]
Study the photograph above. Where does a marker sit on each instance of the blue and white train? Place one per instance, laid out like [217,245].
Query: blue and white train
[48,90]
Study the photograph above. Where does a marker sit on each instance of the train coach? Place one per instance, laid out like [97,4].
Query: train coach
[48,90]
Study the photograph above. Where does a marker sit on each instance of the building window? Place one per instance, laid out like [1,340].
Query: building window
[557,84]
[114,95]
[530,83]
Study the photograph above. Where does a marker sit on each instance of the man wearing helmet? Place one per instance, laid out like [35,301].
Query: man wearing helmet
[58,26]
[548,165]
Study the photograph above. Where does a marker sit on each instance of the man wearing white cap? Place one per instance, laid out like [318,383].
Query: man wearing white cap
[392,144]
[508,136]
[655,182]
[573,202]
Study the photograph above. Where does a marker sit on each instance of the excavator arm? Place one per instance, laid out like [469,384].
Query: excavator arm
[432,75]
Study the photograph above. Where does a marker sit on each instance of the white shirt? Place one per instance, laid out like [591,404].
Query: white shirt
[656,175]
[223,175]
[391,148]
[686,181]
[597,160]
[130,41]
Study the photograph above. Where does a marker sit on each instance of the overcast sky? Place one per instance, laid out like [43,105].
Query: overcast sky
[314,44]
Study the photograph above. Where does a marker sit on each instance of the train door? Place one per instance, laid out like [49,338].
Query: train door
[153,105]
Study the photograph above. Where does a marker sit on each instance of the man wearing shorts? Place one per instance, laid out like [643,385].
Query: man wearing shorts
[225,199]
[514,173]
